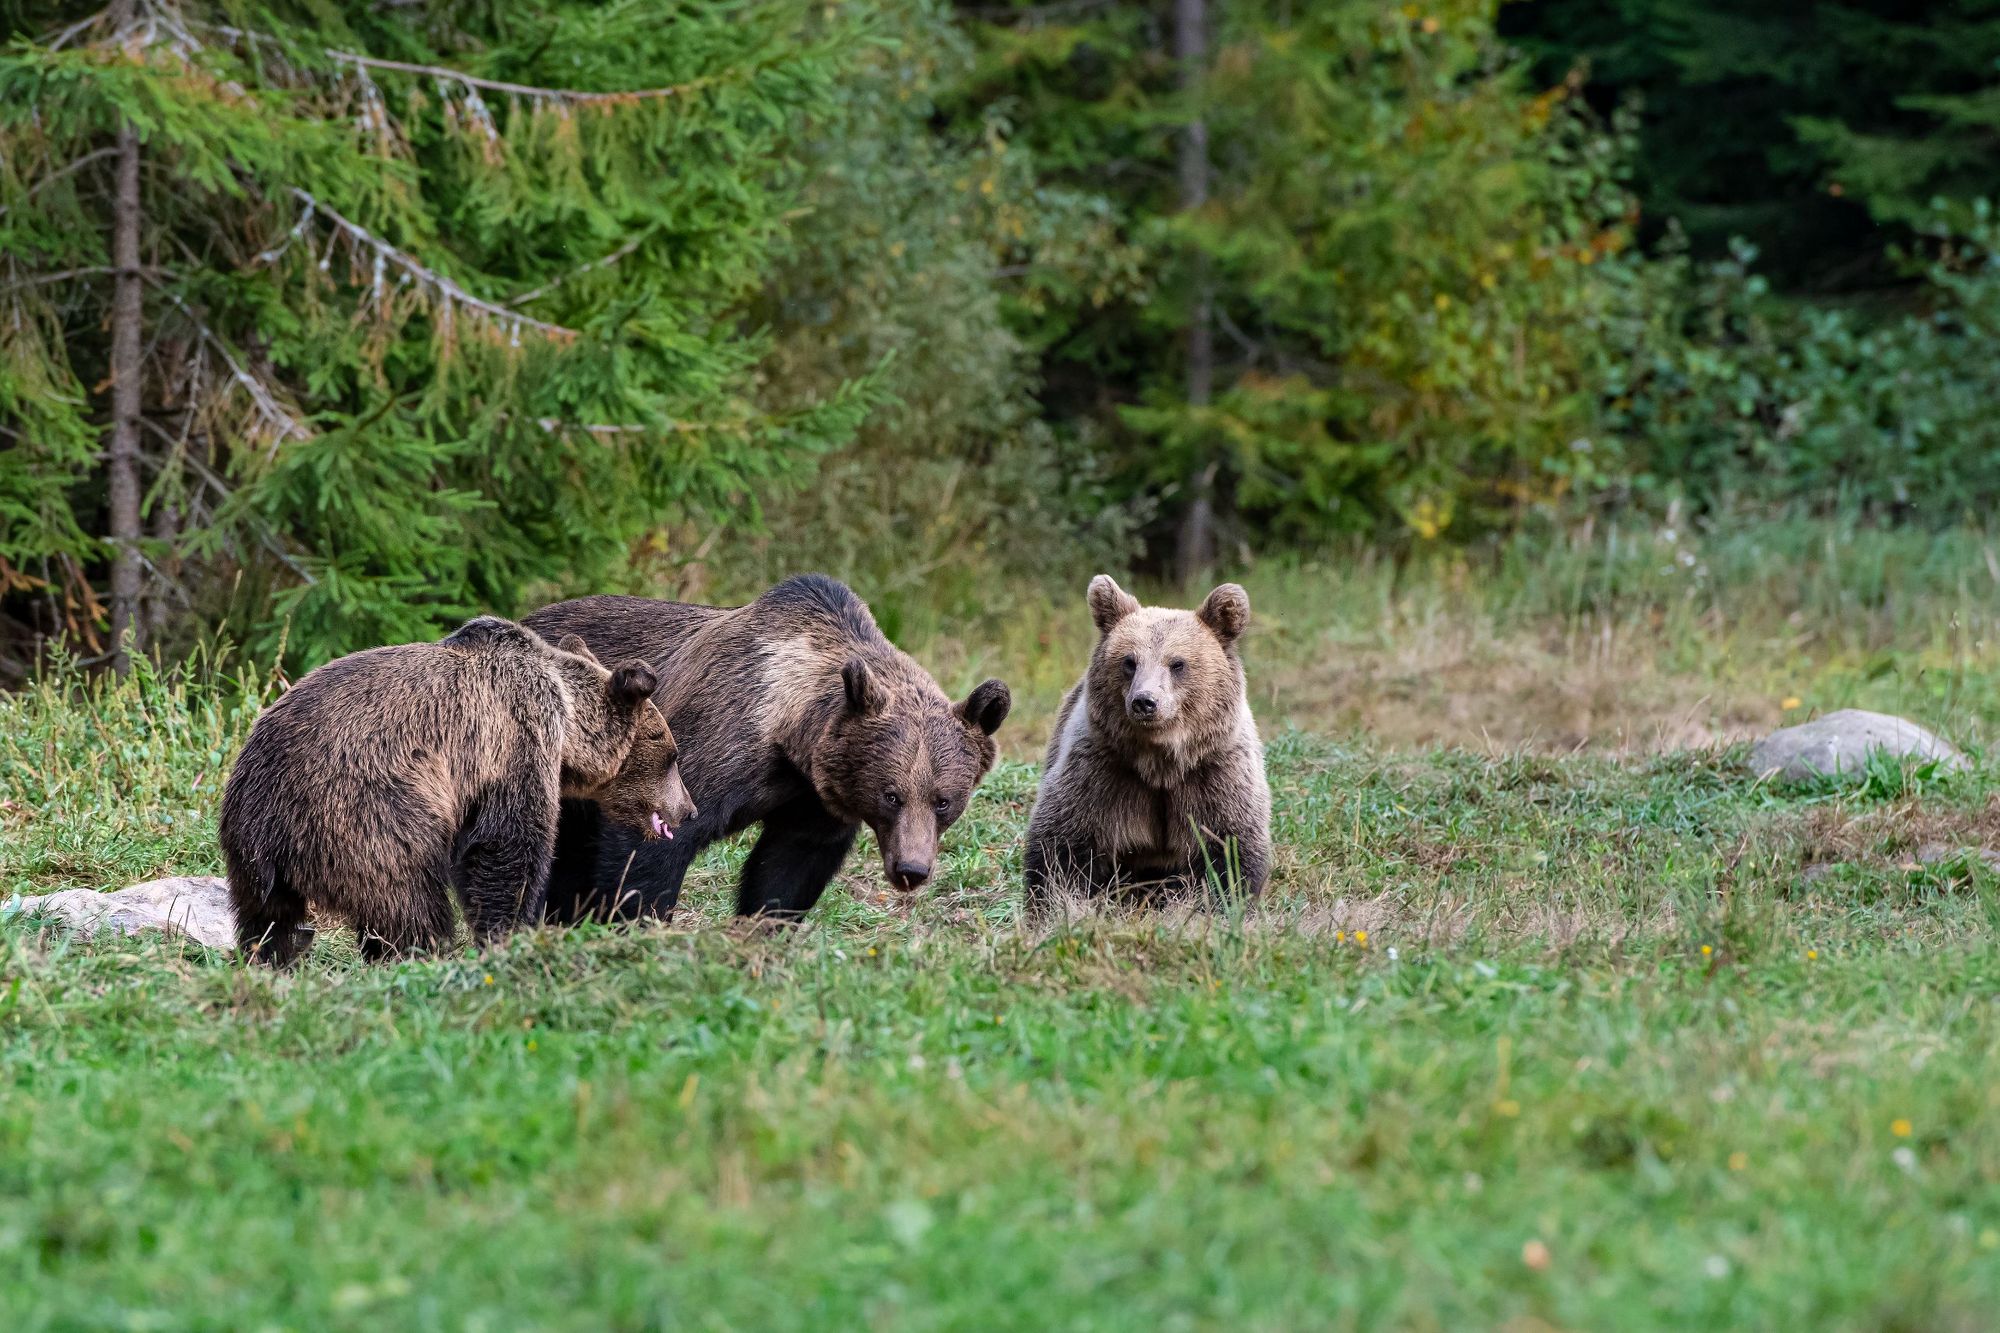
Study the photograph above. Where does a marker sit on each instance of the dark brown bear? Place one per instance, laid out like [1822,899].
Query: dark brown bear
[1154,780]
[795,713]
[383,781]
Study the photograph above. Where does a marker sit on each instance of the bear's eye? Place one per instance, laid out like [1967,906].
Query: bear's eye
[942,805]
[893,800]
[1177,666]
[1131,666]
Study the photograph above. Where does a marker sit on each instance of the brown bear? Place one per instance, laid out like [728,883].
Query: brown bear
[1154,779]
[383,781]
[793,712]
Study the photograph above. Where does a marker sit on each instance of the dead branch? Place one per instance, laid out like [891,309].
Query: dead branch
[389,254]
[261,397]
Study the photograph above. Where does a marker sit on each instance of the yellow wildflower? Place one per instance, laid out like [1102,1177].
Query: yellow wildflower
[1900,1127]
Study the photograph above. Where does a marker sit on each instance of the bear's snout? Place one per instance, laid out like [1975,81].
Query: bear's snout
[1143,706]
[908,875]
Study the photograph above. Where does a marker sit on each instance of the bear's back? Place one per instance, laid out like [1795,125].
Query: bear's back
[418,729]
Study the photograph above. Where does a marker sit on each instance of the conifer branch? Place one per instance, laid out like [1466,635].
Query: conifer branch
[555,426]
[473,82]
[66,169]
[261,398]
[62,275]
[410,267]
[206,474]
[568,96]
[581,269]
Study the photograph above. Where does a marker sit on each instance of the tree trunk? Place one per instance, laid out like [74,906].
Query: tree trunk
[1195,549]
[127,372]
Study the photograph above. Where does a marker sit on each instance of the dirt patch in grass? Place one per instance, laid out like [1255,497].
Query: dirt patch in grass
[1904,833]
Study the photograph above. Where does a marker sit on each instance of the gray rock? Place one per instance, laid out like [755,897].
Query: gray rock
[1933,852]
[1839,744]
[196,906]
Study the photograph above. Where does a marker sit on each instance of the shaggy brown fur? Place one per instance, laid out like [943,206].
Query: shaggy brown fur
[384,780]
[793,712]
[1155,777]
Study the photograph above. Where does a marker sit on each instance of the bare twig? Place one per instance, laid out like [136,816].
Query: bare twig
[43,279]
[261,397]
[54,176]
[265,537]
[555,426]
[62,39]
[606,262]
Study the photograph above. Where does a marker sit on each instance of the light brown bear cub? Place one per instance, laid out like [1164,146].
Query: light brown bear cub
[1154,780]
[386,780]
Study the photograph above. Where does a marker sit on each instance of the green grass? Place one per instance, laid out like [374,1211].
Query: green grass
[1723,1056]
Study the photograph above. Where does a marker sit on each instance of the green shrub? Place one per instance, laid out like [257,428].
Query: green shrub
[1730,397]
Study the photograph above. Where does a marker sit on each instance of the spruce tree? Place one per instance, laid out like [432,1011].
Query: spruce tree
[1377,265]
[340,323]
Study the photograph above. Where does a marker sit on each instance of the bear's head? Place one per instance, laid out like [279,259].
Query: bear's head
[1162,679]
[903,759]
[618,750]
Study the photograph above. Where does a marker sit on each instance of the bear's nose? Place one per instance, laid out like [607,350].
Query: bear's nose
[911,874]
[1143,705]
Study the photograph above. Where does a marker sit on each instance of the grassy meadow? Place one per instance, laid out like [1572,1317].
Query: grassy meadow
[1552,1018]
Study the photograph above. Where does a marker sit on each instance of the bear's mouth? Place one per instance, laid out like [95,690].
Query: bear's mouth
[659,827]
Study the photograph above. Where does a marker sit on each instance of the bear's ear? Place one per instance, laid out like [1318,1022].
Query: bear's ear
[573,644]
[986,707]
[632,684]
[865,695]
[1109,603]
[1227,612]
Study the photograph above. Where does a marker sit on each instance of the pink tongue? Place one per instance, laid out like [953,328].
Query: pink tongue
[660,826]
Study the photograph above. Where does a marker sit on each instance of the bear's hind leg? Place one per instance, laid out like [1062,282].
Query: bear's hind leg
[503,869]
[417,920]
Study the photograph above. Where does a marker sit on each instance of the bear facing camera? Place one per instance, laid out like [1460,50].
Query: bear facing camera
[1154,780]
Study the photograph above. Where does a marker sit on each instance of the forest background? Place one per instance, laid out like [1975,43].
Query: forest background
[323,326]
